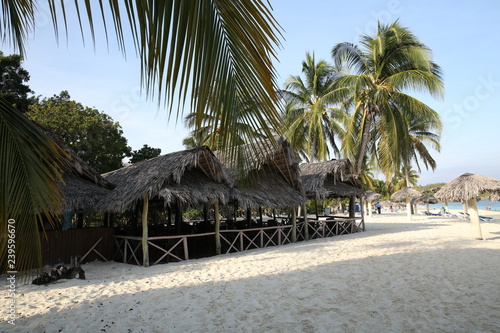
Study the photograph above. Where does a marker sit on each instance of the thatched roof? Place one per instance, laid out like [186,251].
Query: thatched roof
[426,199]
[372,196]
[82,187]
[466,187]
[270,177]
[81,194]
[329,179]
[404,193]
[192,176]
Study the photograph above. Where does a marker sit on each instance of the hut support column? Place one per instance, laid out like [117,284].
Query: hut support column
[474,218]
[294,224]
[306,225]
[362,204]
[217,228]
[446,205]
[408,208]
[352,213]
[369,208]
[145,250]
[464,207]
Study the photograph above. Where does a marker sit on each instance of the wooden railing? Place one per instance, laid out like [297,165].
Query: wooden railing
[177,247]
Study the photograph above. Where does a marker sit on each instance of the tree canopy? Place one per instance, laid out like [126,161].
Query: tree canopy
[13,79]
[92,135]
[145,153]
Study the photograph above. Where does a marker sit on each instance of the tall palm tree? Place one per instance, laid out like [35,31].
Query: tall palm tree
[212,52]
[211,131]
[423,131]
[310,120]
[385,68]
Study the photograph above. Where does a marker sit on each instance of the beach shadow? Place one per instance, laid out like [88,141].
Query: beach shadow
[394,292]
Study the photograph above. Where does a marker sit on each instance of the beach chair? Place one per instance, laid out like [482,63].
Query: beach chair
[485,218]
[448,214]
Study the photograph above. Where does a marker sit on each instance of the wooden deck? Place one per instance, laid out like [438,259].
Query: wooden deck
[164,249]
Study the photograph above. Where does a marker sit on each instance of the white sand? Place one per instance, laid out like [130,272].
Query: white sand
[428,275]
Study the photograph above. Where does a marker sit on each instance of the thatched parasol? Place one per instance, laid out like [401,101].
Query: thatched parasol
[468,187]
[370,197]
[427,200]
[406,193]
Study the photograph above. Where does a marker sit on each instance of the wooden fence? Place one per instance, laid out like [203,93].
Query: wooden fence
[163,249]
[89,243]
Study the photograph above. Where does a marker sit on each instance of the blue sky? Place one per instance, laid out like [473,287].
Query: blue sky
[464,37]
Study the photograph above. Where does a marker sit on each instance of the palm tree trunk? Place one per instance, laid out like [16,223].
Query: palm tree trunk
[364,142]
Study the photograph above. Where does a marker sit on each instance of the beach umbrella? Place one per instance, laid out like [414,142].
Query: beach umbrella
[407,193]
[468,187]
[371,196]
[427,200]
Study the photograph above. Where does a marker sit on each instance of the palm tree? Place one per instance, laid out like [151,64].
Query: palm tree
[211,131]
[422,131]
[384,67]
[310,119]
[209,51]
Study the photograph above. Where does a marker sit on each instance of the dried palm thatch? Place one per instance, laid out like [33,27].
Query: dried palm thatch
[427,200]
[81,194]
[82,187]
[495,196]
[404,193]
[191,177]
[329,179]
[466,187]
[372,196]
[270,178]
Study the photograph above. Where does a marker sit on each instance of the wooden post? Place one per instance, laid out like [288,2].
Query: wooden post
[217,228]
[178,218]
[294,225]
[362,203]
[408,208]
[446,205]
[352,199]
[306,225]
[145,250]
[316,206]
[474,218]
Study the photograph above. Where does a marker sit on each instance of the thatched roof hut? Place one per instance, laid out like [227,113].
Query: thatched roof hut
[468,187]
[270,177]
[82,187]
[329,179]
[192,176]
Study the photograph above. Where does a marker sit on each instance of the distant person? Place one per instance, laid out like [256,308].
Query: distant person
[391,208]
[488,207]
[379,207]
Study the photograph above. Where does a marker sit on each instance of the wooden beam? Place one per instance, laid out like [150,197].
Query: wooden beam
[306,225]
[217,228]
[294,224]
[145,247]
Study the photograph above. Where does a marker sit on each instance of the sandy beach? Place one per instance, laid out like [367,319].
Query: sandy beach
[427,275]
